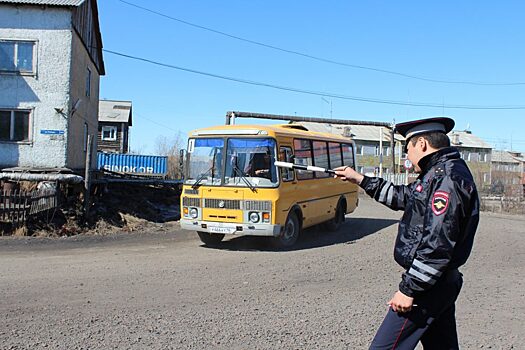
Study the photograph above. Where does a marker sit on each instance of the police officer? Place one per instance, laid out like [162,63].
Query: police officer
[435,237]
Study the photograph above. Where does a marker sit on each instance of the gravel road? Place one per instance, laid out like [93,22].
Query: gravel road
[162,289]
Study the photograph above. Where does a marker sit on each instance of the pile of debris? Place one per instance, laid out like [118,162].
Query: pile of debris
[130,207]
[115,207]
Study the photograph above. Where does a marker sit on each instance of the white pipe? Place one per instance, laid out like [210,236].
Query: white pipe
[66,178]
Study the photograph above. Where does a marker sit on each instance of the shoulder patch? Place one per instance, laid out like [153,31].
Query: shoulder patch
[440,201]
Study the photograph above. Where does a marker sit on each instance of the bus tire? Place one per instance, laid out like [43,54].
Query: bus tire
[339,218]
[289,233]
[210,239]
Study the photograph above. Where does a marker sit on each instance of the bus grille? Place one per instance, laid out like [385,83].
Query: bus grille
[222,203]
[191,202]
[258,205]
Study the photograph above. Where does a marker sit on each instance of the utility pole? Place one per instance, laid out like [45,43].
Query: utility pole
[380,151]
[393,145]
[87,175]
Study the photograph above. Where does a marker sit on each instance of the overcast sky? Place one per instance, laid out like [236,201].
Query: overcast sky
[359,60]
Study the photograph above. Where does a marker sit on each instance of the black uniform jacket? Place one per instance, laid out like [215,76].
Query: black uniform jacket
[441,214]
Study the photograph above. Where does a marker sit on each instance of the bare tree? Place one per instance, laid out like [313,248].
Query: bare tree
[170,147]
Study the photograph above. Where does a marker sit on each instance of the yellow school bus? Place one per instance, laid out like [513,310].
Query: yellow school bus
[232,186]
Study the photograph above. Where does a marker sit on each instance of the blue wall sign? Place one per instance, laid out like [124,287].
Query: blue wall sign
[52,132]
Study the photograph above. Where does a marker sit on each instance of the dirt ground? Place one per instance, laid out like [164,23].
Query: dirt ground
[164,290]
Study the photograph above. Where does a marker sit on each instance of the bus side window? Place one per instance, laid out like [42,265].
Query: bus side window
[303,156]
[334,149]
[348,155]
[286,155]
[321,157]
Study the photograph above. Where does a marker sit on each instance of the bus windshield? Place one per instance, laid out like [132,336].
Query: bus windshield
[251,159]
[249,162]
[205,161]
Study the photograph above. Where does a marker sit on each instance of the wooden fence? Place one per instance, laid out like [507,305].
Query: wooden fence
[17,206]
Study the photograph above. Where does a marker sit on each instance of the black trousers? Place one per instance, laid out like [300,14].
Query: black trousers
[432,321]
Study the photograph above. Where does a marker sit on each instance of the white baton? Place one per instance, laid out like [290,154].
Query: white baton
[304,167]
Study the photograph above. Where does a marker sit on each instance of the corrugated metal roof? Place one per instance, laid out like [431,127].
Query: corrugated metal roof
[45,2]
[503,157]
[115,111]
[357,132]
[467,139]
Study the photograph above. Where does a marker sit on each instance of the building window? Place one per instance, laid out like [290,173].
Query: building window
[16,56]
[359,149]
[109,133]
[486,177]
[14,125]
[88,82]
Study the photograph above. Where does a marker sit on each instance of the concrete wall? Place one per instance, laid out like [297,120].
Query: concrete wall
[87,111]
[48,89]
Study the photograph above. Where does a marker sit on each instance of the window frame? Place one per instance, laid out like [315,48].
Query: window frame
[12,125]
[111,127]
[17,71]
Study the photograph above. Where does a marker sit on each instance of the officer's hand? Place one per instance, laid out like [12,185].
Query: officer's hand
[401,302]
[347,173]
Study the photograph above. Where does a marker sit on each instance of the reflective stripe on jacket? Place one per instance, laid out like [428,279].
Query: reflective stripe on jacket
[441,214]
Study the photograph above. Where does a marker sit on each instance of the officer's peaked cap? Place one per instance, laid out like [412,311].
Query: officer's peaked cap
[422,126]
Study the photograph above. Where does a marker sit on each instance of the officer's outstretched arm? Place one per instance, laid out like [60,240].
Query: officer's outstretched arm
[385,192]
[441,231]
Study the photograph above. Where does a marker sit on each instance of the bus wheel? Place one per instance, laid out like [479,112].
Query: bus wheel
[335,223]
[290,232]
[210,239]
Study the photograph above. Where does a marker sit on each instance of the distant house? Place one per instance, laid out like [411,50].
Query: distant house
[476,153]
[507,173]
[50,64]
[371,161]
[114,120]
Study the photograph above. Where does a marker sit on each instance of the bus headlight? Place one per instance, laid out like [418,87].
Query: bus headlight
[254,217]
[194,213]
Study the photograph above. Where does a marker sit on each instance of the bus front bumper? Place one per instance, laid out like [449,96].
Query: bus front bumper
[231,228]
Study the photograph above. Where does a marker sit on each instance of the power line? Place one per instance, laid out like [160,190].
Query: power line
[321,59]
[155,122]
[317,93]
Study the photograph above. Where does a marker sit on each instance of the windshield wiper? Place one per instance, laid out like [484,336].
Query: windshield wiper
[203,175]
[243,176]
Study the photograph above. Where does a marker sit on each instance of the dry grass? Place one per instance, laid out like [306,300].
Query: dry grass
[21,231]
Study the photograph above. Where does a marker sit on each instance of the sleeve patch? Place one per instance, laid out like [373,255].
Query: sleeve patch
[440,201]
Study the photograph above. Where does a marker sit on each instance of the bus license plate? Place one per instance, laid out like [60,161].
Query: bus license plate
[222,229]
